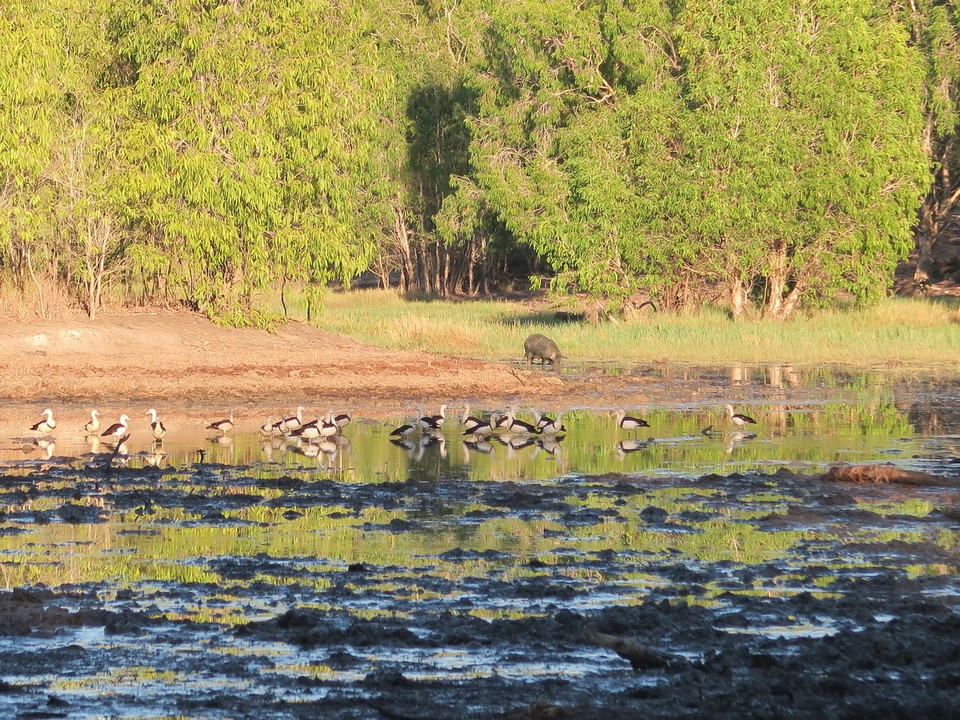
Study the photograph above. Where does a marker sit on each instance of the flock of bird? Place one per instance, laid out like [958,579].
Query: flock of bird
[118,432]
[545,431]
[477,430]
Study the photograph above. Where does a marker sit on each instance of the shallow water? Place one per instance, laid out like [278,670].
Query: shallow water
[192,559]
[679,442]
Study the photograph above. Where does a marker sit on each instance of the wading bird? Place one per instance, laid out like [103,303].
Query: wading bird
[548,425]
[156,425]
[317,429]
[739,419]
[625,422]
[482,429]
[46,425]
[93,425]
[222,426]
[428,422]
[293,422]
[341,420]
[118,431]
[270,428]
[471,423]
[403,431]
[517,427]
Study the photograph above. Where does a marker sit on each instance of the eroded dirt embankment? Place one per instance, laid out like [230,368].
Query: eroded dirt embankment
[180,356]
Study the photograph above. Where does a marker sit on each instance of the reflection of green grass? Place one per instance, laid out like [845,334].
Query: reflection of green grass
[914,507]
[130,675]
[897,330]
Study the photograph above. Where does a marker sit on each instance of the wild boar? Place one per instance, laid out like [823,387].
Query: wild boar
[540,347]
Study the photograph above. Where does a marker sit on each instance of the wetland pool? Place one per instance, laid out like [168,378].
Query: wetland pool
[443,579]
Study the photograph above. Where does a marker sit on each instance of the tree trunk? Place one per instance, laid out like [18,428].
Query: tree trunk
[738,297]
[776,280]
[792,300]
[936,207]
[471,260]
[401,236]
[43,309]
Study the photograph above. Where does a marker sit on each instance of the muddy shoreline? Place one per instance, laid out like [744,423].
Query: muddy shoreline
[832,629]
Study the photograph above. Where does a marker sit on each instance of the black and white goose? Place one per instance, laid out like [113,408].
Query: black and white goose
[117,432]
[470,422]
[320,428]
[270,428]
[156,425]
[341,420]
[499,423]
[428,422]
[626,422]
[93,425]
[548,425]
[441,418]
[739,419]
[481,429]
[46,424]
[288,425]
[404,431]
[222,426]
[518,427]
[474,425]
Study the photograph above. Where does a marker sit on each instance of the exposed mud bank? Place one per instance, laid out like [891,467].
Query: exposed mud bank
[855,617]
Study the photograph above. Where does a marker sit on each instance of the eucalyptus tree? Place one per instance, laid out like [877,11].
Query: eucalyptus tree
[88,170]
[29,114]
[252,133]
[934,27]
[427,48]
[804,158]
[572,140]
[63,205]
[767,151]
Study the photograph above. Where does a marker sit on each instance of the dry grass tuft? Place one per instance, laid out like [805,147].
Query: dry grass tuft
[44,300]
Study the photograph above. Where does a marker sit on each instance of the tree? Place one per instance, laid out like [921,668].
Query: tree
[934,28]
[805,144]
[573,140]
[254,139]
[90,204]
[28,117]
[770,149]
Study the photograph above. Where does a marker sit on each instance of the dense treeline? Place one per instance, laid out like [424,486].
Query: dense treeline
[752,153]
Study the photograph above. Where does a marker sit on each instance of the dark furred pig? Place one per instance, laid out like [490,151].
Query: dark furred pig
[540,347]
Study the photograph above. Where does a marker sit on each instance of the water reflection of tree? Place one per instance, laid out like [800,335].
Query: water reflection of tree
[932,405]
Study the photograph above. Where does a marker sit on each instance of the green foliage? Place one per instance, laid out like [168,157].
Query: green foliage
[29,112]
[934,27]
[252,140]
[777,145]
[804,143]
[205,151]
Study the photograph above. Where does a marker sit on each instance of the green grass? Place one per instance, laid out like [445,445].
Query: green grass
[898,331]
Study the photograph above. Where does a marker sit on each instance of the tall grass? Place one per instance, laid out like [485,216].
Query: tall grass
[896,331]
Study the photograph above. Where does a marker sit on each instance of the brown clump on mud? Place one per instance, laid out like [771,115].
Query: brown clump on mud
[640,656]
[884,474]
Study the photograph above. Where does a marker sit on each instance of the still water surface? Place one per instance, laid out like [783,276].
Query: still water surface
[806,437]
